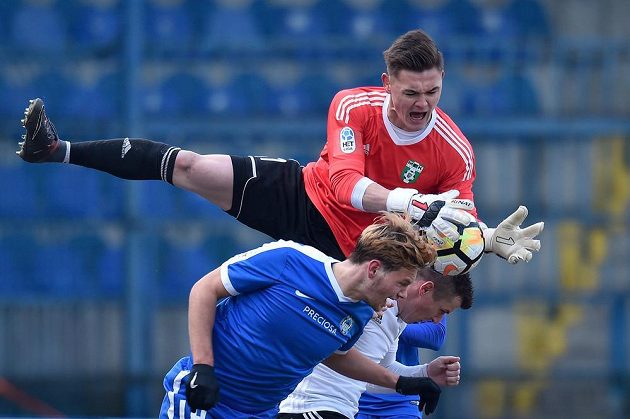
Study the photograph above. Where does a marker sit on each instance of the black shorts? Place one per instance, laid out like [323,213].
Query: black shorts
[269,196]
[323,414]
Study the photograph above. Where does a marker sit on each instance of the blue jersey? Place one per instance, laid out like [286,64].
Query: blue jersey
[286,313]
[416,335]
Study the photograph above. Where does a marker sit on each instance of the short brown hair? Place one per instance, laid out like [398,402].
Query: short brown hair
[413,51]
[394,241]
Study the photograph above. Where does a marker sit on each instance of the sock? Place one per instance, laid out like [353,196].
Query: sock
[127,158]
[60,155]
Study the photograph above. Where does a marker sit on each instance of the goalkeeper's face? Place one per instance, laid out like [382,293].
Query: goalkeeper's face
[414,95]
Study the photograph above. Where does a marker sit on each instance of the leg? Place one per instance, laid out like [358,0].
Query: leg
[129,158]
[210,176]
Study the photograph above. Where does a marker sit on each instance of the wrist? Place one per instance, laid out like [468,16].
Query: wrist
[399,198]
[488,234]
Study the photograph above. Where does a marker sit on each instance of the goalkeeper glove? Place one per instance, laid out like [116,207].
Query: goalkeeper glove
[511,242]
[425,387]
[444,224]
[424,208]
[202,387]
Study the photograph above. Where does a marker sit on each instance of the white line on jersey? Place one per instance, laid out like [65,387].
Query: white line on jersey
[462,148]
[350,102]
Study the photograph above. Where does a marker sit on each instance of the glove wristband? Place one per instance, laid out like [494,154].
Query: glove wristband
[203,368]
[399,198]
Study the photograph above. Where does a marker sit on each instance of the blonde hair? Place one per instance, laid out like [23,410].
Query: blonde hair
[394,241]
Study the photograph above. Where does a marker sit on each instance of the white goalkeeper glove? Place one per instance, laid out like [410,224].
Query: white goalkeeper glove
[424,208]
[445,224]
[511,242]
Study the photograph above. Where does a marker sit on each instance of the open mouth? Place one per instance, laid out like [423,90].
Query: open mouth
[417,116]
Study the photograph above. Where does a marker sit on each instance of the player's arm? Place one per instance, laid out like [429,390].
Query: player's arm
[354,365]
[425,334]
[204,296]
[202,387]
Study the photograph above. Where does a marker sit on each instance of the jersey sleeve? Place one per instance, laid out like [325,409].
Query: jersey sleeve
[344,141]
[425,335]
[255,269]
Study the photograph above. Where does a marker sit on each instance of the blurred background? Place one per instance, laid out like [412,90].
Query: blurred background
[95,271]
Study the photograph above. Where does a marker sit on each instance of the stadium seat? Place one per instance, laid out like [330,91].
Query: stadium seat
[229,24]
[16,271]
[51,34]
[292,20]
[316,92]
[157,200]
[19,182]
[248,94]
[17,84]
[183,261]
[53,87]
[170,25]
[361,20]
[102,263]
[443,20]
[180,94]
[95,95]
[70,191]
[97,24]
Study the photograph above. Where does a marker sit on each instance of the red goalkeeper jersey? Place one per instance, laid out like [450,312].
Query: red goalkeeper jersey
[362,142]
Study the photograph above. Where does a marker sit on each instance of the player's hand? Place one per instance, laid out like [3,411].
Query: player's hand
[511,242]
[445,224]
[425,387]
[202,387]
[445,370]
[424,208]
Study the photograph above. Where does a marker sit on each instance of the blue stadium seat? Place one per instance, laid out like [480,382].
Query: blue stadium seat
[59,270]
[95,95]
[317,91]
[170,25]
[53,87]
[361,20]
[97,24]
[18,183]
[16,84]
[193,205]
[51,33]
[230,24]
[299,20]
[181,94]
[249,94]
[71,191]
[15,266]
[101,262]
[442,20]
[157,200]
[183,261]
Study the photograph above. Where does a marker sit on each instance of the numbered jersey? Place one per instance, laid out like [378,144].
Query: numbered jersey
[362,142]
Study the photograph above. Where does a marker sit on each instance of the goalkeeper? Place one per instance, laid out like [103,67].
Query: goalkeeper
[388,148]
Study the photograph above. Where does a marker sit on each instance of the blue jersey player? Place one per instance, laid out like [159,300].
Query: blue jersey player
[373,405]
[288,308]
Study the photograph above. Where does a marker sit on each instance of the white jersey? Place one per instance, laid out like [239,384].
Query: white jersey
[325,389]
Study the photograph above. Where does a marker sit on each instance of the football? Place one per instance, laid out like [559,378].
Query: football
[458,257]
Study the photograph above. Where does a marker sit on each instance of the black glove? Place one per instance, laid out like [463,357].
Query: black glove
[202,387]
[425,387]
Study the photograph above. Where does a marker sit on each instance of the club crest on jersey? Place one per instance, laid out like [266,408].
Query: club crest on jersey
[411,171]
[346,325]
[346,140]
